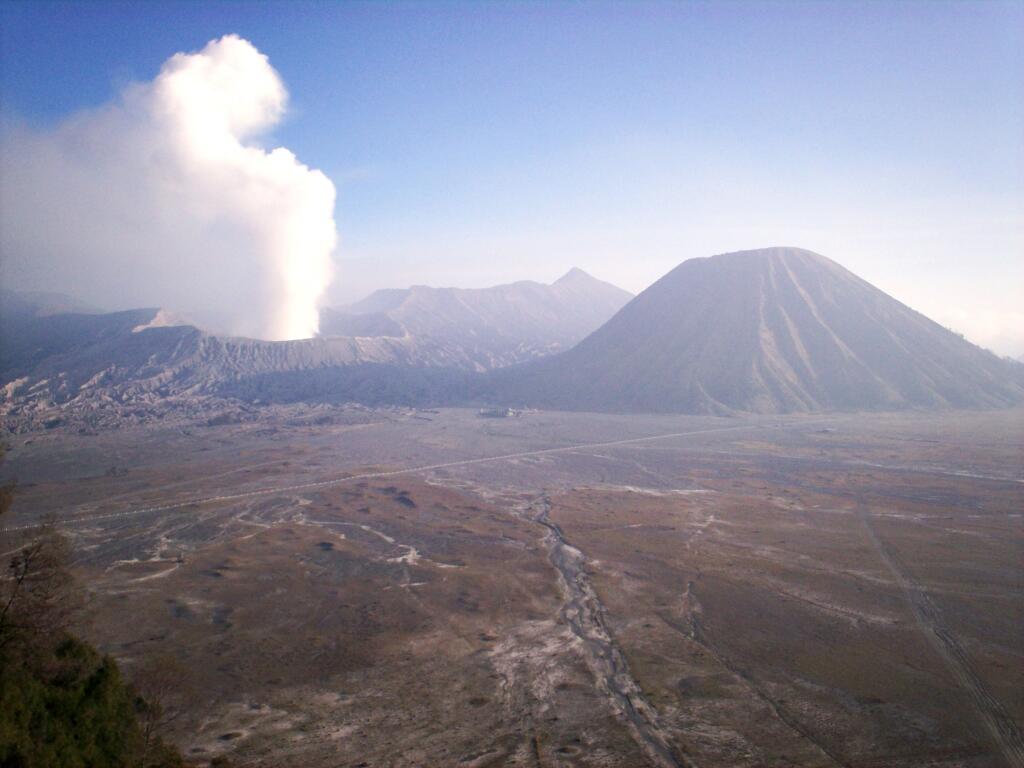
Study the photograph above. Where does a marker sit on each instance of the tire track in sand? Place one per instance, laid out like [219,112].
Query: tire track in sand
[1005,733]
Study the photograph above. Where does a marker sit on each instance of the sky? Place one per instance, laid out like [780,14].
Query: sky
[476,143]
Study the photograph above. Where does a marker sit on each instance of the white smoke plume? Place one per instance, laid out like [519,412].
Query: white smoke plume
[163,199]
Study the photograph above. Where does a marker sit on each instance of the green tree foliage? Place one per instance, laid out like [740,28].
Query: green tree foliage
[61,702]
[73,711]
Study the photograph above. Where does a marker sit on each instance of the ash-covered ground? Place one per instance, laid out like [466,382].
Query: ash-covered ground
[398,587]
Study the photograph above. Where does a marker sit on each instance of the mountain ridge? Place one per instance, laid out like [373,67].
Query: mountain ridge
[485,328]
[52,360]
[769,330]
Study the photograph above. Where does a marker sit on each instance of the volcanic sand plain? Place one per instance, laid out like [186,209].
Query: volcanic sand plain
[401,587]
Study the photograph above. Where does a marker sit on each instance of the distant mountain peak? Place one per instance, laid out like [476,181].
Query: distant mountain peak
[774,250]
[575,275]
[777,253]
[579,282]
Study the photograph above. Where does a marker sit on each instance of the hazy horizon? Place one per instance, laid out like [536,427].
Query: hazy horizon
[475,145]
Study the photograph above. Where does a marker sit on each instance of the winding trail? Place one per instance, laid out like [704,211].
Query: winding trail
[585,615]
[1005,733]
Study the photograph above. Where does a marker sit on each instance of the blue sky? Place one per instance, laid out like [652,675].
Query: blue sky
[479,143]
